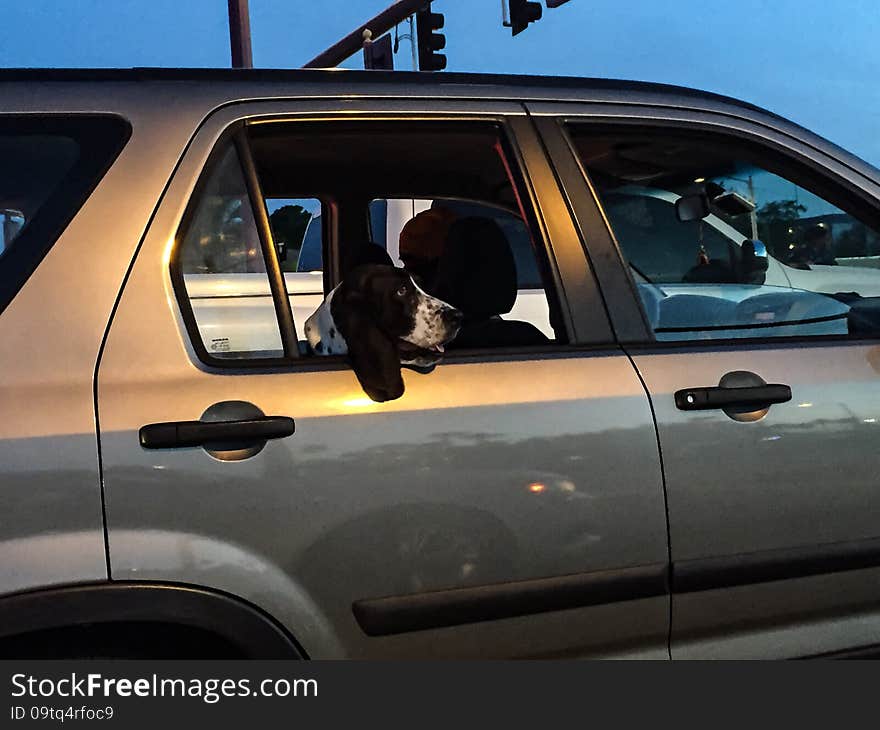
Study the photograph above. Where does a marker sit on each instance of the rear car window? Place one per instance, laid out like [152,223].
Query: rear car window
[48,167]
[222,265]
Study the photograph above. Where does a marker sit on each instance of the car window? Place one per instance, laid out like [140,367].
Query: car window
[48,166]
[33,165]
[296,229]
[378,212]
[382,178]
[220,261]
[641,220]
[721,246]
[475,250]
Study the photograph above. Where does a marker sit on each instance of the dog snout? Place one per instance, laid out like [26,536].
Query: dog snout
[452,318]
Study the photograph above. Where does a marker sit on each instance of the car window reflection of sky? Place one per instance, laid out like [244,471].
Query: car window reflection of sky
[768,187]
[815,63]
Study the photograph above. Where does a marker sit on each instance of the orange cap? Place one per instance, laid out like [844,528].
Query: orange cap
[424,236]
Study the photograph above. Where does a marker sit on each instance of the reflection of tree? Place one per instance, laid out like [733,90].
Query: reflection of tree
[774,221]
[289,224]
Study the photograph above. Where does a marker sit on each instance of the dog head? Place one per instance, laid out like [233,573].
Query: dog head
[381,318]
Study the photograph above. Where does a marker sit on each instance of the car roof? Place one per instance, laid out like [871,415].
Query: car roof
[345,76]
[211,87]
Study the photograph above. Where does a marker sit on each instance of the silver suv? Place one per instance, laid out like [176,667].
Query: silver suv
[669,453]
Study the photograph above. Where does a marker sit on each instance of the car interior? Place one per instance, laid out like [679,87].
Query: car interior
[690,243]
[354,164]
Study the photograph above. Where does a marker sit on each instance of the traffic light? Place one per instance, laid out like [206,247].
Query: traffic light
[555,3]
[429,41]
[523,12]
[378,54]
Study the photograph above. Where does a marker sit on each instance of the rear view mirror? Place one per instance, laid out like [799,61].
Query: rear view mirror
[692,207]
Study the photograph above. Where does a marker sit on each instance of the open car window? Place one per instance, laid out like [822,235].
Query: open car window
[382,178]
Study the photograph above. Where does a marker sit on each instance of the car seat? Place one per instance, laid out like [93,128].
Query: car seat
[362,253]
[477,275]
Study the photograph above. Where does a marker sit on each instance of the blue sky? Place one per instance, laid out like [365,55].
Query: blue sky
[817,63]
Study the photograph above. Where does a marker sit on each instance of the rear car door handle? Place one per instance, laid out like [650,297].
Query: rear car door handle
[215,434]
[759,396]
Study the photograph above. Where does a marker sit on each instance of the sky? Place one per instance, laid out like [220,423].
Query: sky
[813,61]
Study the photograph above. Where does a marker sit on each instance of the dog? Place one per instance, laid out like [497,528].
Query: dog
[380,317]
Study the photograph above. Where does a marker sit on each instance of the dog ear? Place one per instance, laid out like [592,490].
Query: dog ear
[373,355]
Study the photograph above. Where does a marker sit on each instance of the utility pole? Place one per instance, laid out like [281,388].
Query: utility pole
[240,34]
[753,215]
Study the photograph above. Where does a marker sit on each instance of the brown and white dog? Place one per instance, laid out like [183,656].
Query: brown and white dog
[382,319]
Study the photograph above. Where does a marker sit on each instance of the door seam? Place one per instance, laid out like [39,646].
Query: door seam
[665,495]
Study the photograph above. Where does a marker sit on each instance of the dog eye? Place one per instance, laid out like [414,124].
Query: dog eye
[402,291]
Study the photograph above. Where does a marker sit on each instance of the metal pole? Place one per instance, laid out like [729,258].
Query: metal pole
[354,41]
[412,41]
[240,34]
[753,216]
[277,285]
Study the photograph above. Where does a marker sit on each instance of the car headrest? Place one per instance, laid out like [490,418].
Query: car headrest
[365,252]
[477,272]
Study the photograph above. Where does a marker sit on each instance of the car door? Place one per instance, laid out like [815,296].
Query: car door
[762,371]
[509,504]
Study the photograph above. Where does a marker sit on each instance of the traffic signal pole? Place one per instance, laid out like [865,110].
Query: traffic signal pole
[354,41]
[240,34]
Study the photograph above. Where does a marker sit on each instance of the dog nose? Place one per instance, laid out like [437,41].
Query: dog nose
[453,317]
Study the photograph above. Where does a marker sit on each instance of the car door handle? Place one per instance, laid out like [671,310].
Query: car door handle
[760,396]
[216,434]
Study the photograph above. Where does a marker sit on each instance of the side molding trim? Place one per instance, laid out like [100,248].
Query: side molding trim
[436,609]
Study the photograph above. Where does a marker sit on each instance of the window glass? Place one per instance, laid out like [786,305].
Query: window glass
[224,272]
[378,212]
[48,167]
[723,247]
[32,167]
[296,228]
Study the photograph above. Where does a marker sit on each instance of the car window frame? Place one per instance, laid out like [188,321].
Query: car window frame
[823,170]
[587,288]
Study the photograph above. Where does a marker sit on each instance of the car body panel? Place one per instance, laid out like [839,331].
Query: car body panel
[803,475]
